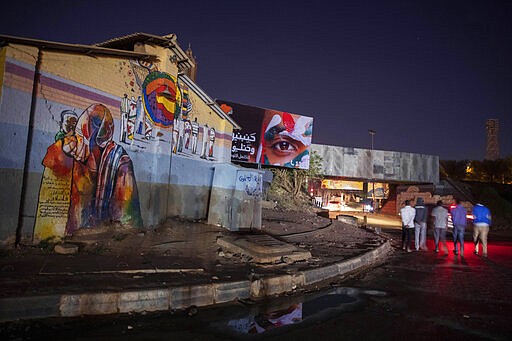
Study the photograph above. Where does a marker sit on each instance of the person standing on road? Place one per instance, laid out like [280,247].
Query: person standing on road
[407,214]
[440,215]
[420,226]
[481,227]
[459,226]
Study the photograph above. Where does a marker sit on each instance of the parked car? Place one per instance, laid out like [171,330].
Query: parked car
[367,205]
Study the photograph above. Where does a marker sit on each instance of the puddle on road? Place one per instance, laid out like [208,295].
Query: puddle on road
[295,310]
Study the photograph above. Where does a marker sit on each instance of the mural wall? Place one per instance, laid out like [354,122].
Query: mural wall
[164,113]
[108,134]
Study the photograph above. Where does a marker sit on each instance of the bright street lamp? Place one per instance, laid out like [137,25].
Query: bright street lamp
[372,134]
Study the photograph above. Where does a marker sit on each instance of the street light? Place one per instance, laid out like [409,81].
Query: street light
[372,134]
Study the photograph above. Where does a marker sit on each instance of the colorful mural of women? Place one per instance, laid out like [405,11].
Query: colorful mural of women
[286,140]
[102,181]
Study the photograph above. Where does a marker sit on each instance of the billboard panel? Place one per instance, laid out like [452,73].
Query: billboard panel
[342,184]
[270,137]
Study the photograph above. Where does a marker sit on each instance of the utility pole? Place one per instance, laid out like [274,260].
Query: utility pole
[372,134]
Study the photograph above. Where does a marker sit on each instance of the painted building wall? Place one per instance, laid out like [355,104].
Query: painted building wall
[378,164]
[112,141]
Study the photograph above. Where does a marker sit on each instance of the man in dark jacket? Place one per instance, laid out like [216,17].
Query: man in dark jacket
[459,226]
[420,226]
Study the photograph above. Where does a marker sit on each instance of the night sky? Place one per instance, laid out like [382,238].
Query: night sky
[425,75]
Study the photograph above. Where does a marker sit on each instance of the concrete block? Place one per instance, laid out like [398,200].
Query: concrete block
[198,295]
[263,248]
[144,300]
[320,274]
[273,286]
[89,304]
[349,265]
[66,249]
[298,280]
[347,219]
[21,308]
[225,292]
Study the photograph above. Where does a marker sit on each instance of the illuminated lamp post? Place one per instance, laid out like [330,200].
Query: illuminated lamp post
[372,134]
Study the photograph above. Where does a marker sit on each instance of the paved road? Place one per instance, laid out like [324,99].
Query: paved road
[413,296]
[431,296]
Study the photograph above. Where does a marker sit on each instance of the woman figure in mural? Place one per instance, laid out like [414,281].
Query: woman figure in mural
[103,185]
[175,134]
[181,133]
[187,129]
[132,116]
[286,139]
[204,142]
[139,121]
[211,141]
[195,135]
[54,192]
[125,109]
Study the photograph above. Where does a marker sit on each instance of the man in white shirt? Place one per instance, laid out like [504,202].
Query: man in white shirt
[407,213]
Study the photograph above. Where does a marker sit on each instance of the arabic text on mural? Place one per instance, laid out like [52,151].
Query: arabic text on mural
[56,201]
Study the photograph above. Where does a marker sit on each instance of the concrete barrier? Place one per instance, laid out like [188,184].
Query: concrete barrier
[166,298]
[348,219]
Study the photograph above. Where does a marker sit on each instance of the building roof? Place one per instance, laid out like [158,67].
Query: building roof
[77,48]
[127,43]
[123,46]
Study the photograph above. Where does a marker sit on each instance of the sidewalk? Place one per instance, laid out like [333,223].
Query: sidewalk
[177,265]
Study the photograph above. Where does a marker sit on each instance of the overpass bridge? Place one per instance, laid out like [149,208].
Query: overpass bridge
[353,175]
[378,165]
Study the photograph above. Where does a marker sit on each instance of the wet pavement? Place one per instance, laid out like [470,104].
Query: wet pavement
[417,295]
[179,254]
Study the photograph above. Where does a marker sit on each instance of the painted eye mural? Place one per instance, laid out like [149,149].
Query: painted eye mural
[161,98]
[270,137]
[286,139]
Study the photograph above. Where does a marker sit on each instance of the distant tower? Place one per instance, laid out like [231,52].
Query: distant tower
[493,150]
[192,72]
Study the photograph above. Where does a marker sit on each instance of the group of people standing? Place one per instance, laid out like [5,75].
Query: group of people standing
[415,219]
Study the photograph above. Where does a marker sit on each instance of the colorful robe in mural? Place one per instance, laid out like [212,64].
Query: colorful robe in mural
[104,187]
[116,191]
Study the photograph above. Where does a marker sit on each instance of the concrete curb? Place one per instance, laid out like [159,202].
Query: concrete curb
[160,299]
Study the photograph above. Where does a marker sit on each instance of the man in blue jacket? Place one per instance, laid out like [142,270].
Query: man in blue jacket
[459,227]
[482,220]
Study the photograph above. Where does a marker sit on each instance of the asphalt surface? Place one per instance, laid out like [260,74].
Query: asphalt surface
[417,296]
[179,262]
